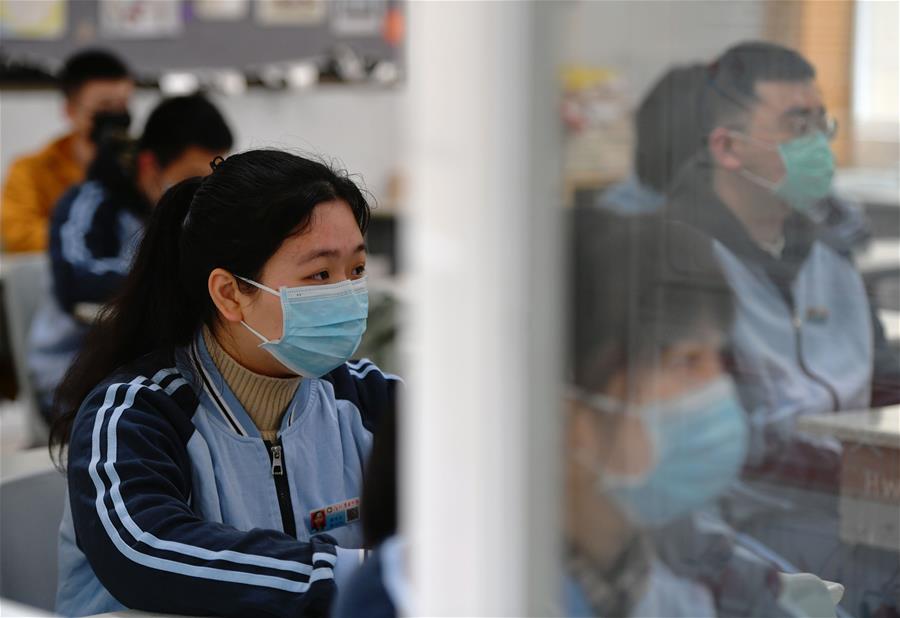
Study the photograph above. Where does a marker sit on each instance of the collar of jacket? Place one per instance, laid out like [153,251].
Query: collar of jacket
[694,202]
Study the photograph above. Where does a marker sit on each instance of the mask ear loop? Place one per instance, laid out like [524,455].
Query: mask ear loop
[255,332]
[264,288]
[755,178]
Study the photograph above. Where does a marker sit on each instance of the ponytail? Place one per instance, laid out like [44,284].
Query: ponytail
[147,315]
[235,219]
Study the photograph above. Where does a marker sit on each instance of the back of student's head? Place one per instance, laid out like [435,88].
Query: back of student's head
[734,76]
[179,123]
[235,219]
[668,126]
[90,65]
[638,285]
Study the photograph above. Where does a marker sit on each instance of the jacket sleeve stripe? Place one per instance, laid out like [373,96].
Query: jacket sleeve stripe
[75,230]
[237,576]
[173,385]
[370,369]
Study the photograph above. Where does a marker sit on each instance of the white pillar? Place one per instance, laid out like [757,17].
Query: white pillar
[480,458]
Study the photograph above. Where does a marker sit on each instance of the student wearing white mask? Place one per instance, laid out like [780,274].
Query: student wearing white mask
[655,432]
[653,427]
[210,473]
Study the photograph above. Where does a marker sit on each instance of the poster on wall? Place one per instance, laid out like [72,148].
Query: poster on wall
[32,19]
[358,17]
[140,19]
[221,10]
[290,12]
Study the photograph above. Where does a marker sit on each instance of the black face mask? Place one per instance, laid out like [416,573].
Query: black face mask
[109,124]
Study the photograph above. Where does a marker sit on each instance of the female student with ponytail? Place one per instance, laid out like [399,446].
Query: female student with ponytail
[200,460]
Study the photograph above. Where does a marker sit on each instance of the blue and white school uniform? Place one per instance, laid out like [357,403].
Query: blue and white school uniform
[177,505]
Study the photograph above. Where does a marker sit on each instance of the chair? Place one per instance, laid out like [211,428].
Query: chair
[26,282]
[32,494]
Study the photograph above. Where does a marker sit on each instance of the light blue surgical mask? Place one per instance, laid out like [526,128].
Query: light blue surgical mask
[323,325]
[809,169]
[699,442]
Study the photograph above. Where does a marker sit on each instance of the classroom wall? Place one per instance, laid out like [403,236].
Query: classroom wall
[641,39]
[363,125]
[360,125]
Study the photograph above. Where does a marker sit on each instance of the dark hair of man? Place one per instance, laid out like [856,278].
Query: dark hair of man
[178,123]
[734,75]
[90,65]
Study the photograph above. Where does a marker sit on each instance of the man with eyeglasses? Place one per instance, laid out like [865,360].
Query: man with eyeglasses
[806,339]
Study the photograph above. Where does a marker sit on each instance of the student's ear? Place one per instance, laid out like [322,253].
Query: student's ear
[226,296]
[147,166]
[721,145]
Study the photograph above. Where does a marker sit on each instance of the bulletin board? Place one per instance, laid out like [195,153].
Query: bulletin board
[154,36]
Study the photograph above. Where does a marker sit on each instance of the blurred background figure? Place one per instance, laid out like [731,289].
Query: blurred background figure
[668,133]
[97,225]
[670,130]
[654,429]
[92,82]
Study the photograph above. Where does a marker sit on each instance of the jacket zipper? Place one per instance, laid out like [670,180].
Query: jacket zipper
[835,400]
[282,489]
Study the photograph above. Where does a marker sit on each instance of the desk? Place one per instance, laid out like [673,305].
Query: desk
[11,608]
[870,472]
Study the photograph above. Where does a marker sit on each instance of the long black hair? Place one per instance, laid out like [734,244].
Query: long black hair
[236,219]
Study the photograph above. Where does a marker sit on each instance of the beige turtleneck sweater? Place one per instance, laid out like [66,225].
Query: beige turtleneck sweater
[264,398]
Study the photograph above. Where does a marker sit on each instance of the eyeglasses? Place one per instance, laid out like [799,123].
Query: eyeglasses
[798,124]
[801,125]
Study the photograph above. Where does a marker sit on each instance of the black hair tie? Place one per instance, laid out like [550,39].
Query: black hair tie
[216,162]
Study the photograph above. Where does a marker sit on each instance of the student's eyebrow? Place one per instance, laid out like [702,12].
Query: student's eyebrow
[328,253]
[318,253]
[794,112]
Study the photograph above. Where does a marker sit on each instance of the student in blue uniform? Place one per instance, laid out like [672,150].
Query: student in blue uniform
[806,338]
[214,410]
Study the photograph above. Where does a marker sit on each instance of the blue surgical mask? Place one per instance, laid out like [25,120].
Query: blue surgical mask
[699,443]
[809,169]
[322,327]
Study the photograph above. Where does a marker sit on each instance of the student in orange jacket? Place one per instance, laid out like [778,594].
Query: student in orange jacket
[92,82]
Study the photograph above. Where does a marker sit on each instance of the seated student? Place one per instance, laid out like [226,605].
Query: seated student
[92,81]
[806,339]
[767,162]
[97,225]
[197,455]
[654,432]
